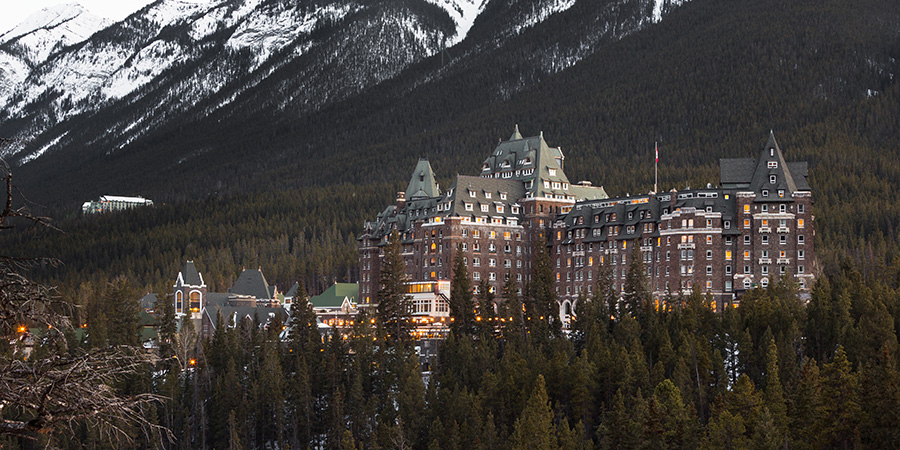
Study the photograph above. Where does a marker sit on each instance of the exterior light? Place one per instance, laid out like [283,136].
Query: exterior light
[21,328]
[192,362]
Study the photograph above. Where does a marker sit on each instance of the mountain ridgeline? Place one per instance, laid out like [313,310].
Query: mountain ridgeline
[269,96]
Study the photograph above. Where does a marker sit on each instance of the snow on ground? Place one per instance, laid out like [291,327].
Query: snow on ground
[463,12]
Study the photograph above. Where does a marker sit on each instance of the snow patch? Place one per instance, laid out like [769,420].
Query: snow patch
[43,149]
[463,12]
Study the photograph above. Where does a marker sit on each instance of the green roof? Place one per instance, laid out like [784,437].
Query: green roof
[333,297]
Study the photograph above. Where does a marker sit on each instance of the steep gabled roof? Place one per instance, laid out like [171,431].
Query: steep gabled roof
[482,187]
[754,174]
[190,275]
[421,183]
[252,282]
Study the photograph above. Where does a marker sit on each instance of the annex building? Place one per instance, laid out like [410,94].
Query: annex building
[756,226]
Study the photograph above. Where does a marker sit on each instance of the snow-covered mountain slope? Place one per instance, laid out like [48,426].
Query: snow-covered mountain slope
[180,62]
[31,42]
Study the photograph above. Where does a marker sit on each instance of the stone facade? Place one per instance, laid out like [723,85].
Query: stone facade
[754,228]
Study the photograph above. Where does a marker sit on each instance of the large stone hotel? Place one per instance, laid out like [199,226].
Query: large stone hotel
[753,228]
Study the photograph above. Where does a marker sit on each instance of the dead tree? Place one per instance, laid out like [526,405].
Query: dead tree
[59,388]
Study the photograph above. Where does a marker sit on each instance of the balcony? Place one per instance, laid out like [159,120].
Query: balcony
[765,230]
[578,253]
[783,261]
[765,260]
[683,246]
[782,230]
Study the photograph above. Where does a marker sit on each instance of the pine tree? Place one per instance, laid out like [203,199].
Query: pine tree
[880,398]
[534,429]
[541,307]
[841,410]
[773,394]
[393,300]
[636,297]
[462,307]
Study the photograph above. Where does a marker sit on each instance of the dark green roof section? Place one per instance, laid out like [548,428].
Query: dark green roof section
[334,296]
[422,183]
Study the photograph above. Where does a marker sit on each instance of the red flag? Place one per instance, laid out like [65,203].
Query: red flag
[656,145]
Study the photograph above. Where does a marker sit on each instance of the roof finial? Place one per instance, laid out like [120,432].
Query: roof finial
[771,132]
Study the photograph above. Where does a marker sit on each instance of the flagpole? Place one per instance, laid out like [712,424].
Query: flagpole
[656,167]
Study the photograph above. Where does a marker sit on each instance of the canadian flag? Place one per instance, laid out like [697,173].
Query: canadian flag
[656,146]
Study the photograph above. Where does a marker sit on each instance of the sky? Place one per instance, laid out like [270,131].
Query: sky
[15,11]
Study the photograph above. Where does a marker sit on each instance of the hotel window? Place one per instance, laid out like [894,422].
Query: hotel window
[476,247]
[492,276]
[765,192]
[503,196]
[469,207]
[708,240]
[487,194]
[709,270]
[765,270]
[800,269]
[773,164]
[746,209]
[709,254]
[465,246]
[727,255]
[727,270]
[765,223]
[782,269]
[801,254]
[765,240]
[772,179]
[727,225]
[476,262]
[746,269]
[476,233]
[800,223]
[476,276]
[782,208]
[782,239]
[747,240]
[493,234]
[552,172]
[781,193]
[500,209]
[746,255]
[800,208]
[546,184]
[472,194]
[765,208]
[746,223]
[484,208]
[800,239]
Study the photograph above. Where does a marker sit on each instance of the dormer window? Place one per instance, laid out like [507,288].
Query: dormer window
[773,179]
[765,193]
[781,193]
[472,194]
[566,186]
[484,208]
[773,164]
[552,172]
[487,194]
[771,151]
[485,167]
[469,207]
[503,196]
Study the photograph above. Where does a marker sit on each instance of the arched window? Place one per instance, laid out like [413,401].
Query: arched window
[179,299]
[195,301]
[746,283]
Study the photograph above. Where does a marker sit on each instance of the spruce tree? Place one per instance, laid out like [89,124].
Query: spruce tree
[462,307]
[534,429]
[393,301]
[636,297]
[541,307]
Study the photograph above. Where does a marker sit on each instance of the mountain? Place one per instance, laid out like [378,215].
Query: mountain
[33,41]
[270,62]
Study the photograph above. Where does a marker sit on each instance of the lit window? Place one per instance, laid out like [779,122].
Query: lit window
[746,255]
[727,255]
[746,223]
[746,209]
[781,193]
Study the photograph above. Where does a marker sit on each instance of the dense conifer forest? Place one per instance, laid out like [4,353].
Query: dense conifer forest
[708,83]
